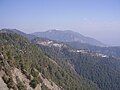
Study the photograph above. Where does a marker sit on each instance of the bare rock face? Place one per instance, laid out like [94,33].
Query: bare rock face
[3,86]
[50,84]
[1,56]
[38,87]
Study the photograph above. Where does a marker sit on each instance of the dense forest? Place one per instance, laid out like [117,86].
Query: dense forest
[19,53]
[104,71]
[63,65]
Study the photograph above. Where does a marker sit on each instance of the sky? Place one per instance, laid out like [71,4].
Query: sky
[99,19]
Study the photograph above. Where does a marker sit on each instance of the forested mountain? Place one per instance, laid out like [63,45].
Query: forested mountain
[43,64]
[99,68]
[23,66]
[67,36]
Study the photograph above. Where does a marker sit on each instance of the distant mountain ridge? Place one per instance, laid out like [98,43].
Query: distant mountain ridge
[67,36]
[28,36]
[110,51]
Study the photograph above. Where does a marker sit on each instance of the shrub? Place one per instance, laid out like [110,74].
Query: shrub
[33,83]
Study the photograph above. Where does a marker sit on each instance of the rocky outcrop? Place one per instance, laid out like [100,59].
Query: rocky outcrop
[17,73]
[3,86]
[1,56]
[49,83]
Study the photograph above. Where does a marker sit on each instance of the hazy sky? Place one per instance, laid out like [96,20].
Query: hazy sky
[99,19]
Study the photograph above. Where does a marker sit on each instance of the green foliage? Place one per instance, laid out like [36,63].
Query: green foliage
[33,83]
[105,72]
[26,56]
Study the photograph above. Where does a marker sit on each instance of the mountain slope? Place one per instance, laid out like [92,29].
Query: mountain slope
[101,69]
[67,36]
[18,54]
